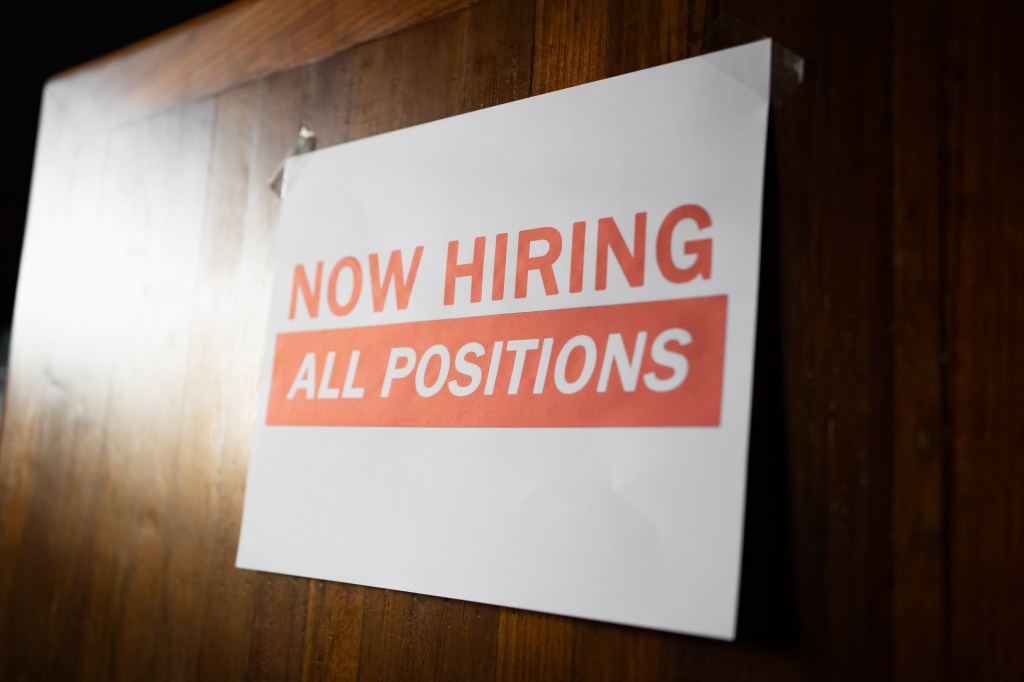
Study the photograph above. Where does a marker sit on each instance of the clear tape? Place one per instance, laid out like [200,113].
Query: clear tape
[787,66]
[305,143]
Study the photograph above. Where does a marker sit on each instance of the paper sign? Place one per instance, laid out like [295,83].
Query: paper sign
[510,353]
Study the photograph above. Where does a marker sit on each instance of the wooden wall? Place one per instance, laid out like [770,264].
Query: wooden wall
[885,534]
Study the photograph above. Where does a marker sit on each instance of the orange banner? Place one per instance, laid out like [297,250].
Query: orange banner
[637,364]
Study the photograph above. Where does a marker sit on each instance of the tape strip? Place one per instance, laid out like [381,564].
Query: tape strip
[286,172]
[787,67]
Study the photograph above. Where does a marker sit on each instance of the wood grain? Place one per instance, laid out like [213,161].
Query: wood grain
[237,43]
[884,523]
[984,241]
[920,388]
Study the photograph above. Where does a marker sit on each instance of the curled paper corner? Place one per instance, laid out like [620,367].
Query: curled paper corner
[285,171]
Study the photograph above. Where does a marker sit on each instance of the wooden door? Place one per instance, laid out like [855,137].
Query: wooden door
[885,524]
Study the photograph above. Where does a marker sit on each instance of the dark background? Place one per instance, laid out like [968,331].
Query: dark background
[39,41]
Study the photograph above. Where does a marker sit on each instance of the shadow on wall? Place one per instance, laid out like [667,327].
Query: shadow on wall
[768,598]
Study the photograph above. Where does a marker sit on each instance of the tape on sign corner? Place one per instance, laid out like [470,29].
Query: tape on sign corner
[286,172]
[787,66]
[787,73]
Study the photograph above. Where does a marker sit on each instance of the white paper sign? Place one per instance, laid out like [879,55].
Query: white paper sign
[510,353]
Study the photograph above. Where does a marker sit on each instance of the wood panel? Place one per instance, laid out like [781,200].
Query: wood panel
[835,284]
[237,43]
[982,361]
[920,441]
[884,532]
